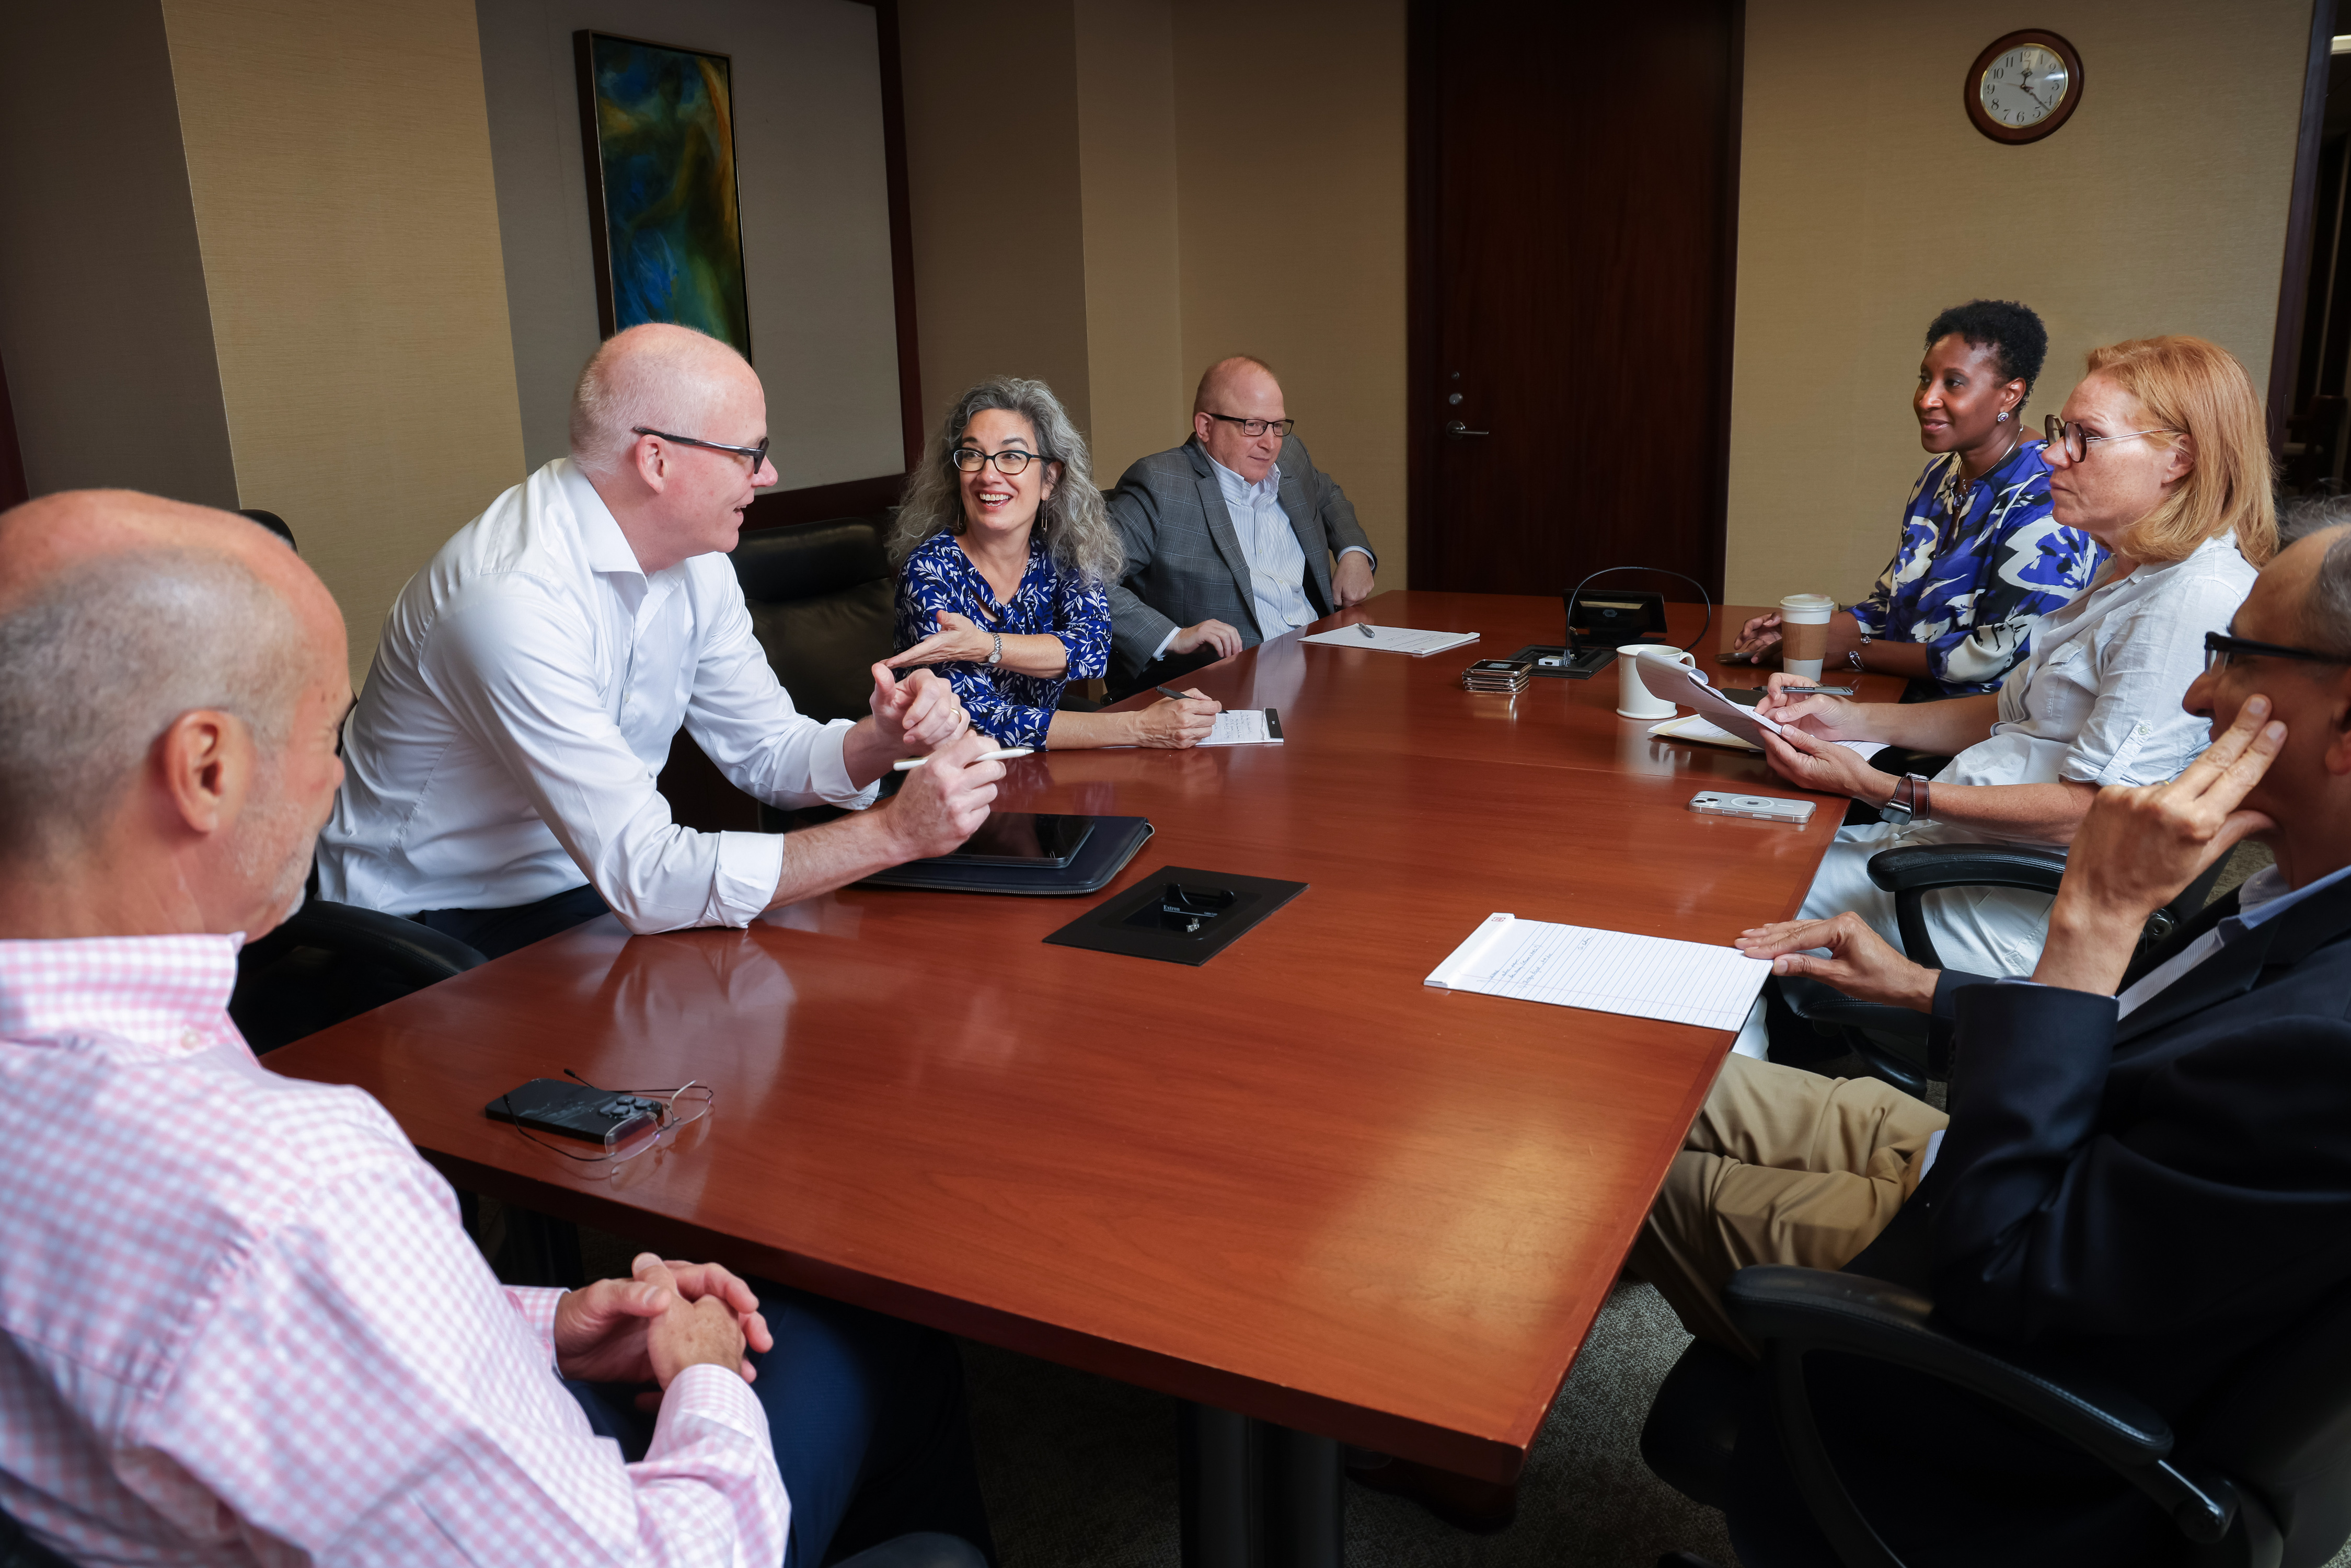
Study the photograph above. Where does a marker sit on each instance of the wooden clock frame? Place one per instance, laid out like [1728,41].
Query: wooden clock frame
[2018,135]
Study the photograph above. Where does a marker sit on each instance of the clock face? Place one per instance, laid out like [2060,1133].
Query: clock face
[2023,85]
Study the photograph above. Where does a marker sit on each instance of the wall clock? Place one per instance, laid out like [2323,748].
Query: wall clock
[2023,87]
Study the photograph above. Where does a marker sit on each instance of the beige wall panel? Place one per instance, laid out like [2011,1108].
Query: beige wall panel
[815,202]
[1292,203]
[340,157]
[1869,203]
[993,181]
[1126,164]
[103,326]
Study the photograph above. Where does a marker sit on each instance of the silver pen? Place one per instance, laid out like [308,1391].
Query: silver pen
[1365,628]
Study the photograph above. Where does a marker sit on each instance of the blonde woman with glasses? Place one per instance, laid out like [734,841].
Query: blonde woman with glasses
[2162,455]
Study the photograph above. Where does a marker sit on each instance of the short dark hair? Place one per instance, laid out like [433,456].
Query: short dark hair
[2015,335]
[2301,514]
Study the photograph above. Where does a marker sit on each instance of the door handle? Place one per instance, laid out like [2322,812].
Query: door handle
[1457,428]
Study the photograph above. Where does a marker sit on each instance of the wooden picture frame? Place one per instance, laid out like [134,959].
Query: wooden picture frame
[664,218]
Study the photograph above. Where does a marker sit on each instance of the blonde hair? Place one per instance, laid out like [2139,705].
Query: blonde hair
[2193,385]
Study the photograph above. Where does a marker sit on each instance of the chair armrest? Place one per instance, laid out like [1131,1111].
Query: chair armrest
[1796,1311]
[1922,868]
[1909,875]
[412,950]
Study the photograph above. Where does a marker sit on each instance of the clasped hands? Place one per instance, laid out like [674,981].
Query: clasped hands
[649,1328]
[2137,848]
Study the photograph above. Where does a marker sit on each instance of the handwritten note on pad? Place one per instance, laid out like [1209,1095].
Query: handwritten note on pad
[1246,726]
[1392,638]
[1605,971]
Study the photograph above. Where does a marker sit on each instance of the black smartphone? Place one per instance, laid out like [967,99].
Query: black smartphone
[568,1110]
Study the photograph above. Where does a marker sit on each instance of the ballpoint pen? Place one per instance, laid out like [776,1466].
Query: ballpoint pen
[1171,692]
[1365,628]
[1001,754]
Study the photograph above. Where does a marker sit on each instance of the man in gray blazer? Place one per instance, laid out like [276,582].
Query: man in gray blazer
[1231,538]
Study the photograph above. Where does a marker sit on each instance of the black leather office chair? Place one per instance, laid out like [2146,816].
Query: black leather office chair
[1895,1043]
[273,522]
[2262,1479]
[332,962]
[821,597]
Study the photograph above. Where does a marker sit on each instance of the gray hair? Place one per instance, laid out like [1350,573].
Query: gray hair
[1073,521]
[656,375]
[2299,517]
[96,665]
[2328,613]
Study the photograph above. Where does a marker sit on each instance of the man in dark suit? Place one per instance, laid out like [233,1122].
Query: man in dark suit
[2142,1187]
[1231,538]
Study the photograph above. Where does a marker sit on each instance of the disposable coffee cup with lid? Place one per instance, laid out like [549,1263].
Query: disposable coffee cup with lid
[1804,633]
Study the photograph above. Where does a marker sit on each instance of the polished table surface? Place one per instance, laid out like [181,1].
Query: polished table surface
[1294,1183]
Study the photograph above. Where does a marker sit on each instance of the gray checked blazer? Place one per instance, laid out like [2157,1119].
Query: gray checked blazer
[1184,561]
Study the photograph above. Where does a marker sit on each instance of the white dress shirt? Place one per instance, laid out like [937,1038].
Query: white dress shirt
[1277,561]
[521,705]
[2097,700]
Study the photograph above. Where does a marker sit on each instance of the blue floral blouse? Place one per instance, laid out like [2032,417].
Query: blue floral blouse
[1977,565]
[1015,709]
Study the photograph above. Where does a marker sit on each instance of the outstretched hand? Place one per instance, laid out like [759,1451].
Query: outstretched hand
[959,639]
[2139,847]
[1860,963]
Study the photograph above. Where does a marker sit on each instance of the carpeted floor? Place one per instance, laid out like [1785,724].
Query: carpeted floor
[1080,1470]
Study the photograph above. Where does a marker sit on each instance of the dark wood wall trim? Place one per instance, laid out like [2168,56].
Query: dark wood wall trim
[13,487]
[850,498]
[1420,373]
[1734,139]
[902,230]
[2294,283]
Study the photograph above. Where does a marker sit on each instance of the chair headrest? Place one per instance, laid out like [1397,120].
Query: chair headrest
[777,565]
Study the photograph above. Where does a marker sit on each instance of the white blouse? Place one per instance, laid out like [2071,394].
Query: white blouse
[2098,701]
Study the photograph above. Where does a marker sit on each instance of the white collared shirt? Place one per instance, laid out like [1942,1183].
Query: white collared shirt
[521,705]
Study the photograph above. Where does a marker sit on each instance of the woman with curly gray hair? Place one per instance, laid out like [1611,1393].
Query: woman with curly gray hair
[1004,553]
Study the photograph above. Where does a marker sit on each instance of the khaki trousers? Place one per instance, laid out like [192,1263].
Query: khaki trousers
[1782,1167]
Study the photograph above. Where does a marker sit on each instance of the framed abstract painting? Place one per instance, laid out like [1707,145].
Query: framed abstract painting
[657,125]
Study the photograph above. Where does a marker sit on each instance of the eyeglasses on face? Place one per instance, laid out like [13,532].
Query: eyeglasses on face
[2220,651]
[758,455]
[2070,437]
[1255,427]
[1008,461]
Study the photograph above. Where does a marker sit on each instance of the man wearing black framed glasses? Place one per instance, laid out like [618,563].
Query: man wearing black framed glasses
[1231,538]
[532,679]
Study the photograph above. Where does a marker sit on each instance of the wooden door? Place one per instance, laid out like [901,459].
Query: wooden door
[1574,188]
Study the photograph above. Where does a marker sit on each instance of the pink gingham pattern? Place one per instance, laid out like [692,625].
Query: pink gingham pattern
[240,1322]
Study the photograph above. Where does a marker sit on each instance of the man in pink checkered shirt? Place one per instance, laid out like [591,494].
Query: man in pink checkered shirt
[239,1321]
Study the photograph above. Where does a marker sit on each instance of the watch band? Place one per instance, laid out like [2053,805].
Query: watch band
[1909,804]
[996,654]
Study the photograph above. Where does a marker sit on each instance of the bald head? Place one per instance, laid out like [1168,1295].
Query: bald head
[654,377]
[1240,377]
[1235,389]
[121,613]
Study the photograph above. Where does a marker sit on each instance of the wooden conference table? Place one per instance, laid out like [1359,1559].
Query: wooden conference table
[1295,1184]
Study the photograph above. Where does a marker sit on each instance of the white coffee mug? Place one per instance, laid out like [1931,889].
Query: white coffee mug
[1635,700]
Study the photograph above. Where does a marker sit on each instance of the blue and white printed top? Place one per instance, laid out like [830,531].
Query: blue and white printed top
[1051,601]
[1977,565]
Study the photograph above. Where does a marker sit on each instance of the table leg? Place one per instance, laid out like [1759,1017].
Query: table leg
[1259,1496]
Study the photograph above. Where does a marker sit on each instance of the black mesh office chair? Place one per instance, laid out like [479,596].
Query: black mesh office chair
[1895,1043]
[2260,1479]
[332,962]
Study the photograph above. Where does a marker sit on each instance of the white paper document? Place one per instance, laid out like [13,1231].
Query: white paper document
[1392,638]
[1605,971]
[1696,726]
[1246,726]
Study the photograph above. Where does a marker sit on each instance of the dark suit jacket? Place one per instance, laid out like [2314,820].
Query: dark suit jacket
[2143,1202]
[1184,561]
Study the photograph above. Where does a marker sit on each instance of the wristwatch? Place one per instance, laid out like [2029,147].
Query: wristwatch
[1909,803]
[996,654]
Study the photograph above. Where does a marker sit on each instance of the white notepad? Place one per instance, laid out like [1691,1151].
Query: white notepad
[1245,726]
[1605,971]
[1392,638]
[1696,726]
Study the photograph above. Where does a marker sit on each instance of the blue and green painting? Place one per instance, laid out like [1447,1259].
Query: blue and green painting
[665,135]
